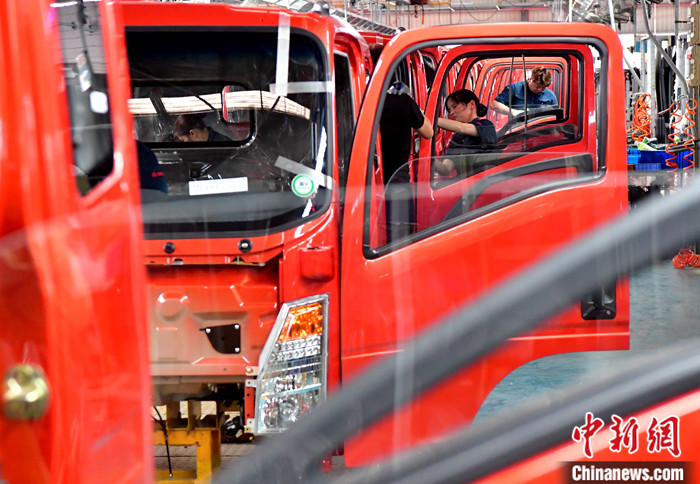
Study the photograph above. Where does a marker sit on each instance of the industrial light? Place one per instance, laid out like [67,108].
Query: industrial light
[292,376]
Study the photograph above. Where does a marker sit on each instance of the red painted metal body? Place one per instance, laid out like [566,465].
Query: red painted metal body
[404,290]
[381,293]
[551,466]
[71,301]
[377,297]
[297,263]
[72,264]
[401,289]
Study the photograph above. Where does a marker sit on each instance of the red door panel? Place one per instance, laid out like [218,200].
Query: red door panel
[71,302]
[517,212]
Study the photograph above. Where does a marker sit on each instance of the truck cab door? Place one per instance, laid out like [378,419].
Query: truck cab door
[546,183]
[74,388]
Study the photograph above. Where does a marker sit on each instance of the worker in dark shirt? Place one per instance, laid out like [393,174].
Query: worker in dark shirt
[472,133]
[399,116]
[150,173]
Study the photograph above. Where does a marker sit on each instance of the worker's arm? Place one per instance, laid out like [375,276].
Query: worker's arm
[458,127]
[426,131]
[444,166]
[500,107]
[503,109]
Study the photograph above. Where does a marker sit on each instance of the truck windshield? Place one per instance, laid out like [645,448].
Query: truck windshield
[241,145]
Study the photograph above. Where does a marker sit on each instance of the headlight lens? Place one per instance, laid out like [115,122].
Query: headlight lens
[292,379]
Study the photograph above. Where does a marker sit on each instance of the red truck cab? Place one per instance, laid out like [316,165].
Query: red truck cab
[271,278]
[252,298]
[246,243]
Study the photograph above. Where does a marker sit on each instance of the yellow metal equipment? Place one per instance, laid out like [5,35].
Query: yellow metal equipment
[203,433]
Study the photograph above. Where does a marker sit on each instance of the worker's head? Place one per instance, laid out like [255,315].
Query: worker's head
[540,78]
[464,106]
[190,127]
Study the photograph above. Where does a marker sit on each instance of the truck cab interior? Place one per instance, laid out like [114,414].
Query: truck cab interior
[538,149]
[260,138]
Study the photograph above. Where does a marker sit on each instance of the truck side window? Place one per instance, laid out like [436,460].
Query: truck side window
[86,87]
[546,146]
[345,114]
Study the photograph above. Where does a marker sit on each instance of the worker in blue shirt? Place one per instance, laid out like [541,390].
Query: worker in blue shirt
[511,100]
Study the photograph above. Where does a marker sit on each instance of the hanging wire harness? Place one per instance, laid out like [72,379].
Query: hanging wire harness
[685,257]
[641,121]
[690,111]
[160,421]
[672,148]
[673,136]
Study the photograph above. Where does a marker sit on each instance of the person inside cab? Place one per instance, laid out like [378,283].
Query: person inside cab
[472,132]
[400,116]
[152,181]
[191,127]
[533,92]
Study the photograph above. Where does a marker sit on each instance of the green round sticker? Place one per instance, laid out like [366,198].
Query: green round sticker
[303,186]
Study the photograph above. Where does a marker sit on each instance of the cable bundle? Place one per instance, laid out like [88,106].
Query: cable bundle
[690,108]
[641,122]
[673,135]
[686,257]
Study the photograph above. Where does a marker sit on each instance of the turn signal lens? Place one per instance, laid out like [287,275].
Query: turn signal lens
[293,365]
[302,322]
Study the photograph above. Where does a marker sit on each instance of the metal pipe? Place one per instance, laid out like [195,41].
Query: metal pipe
[655,41]
[630,66]
[625,55]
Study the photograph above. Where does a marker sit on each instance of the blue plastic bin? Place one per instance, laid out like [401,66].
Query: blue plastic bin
[632,156]
[656,160]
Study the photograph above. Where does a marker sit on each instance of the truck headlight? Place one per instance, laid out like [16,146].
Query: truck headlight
[292,377]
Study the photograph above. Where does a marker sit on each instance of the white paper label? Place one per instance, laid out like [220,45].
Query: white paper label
[218,185]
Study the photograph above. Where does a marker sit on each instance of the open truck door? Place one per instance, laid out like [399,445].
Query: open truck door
[75,391]
[542,186]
